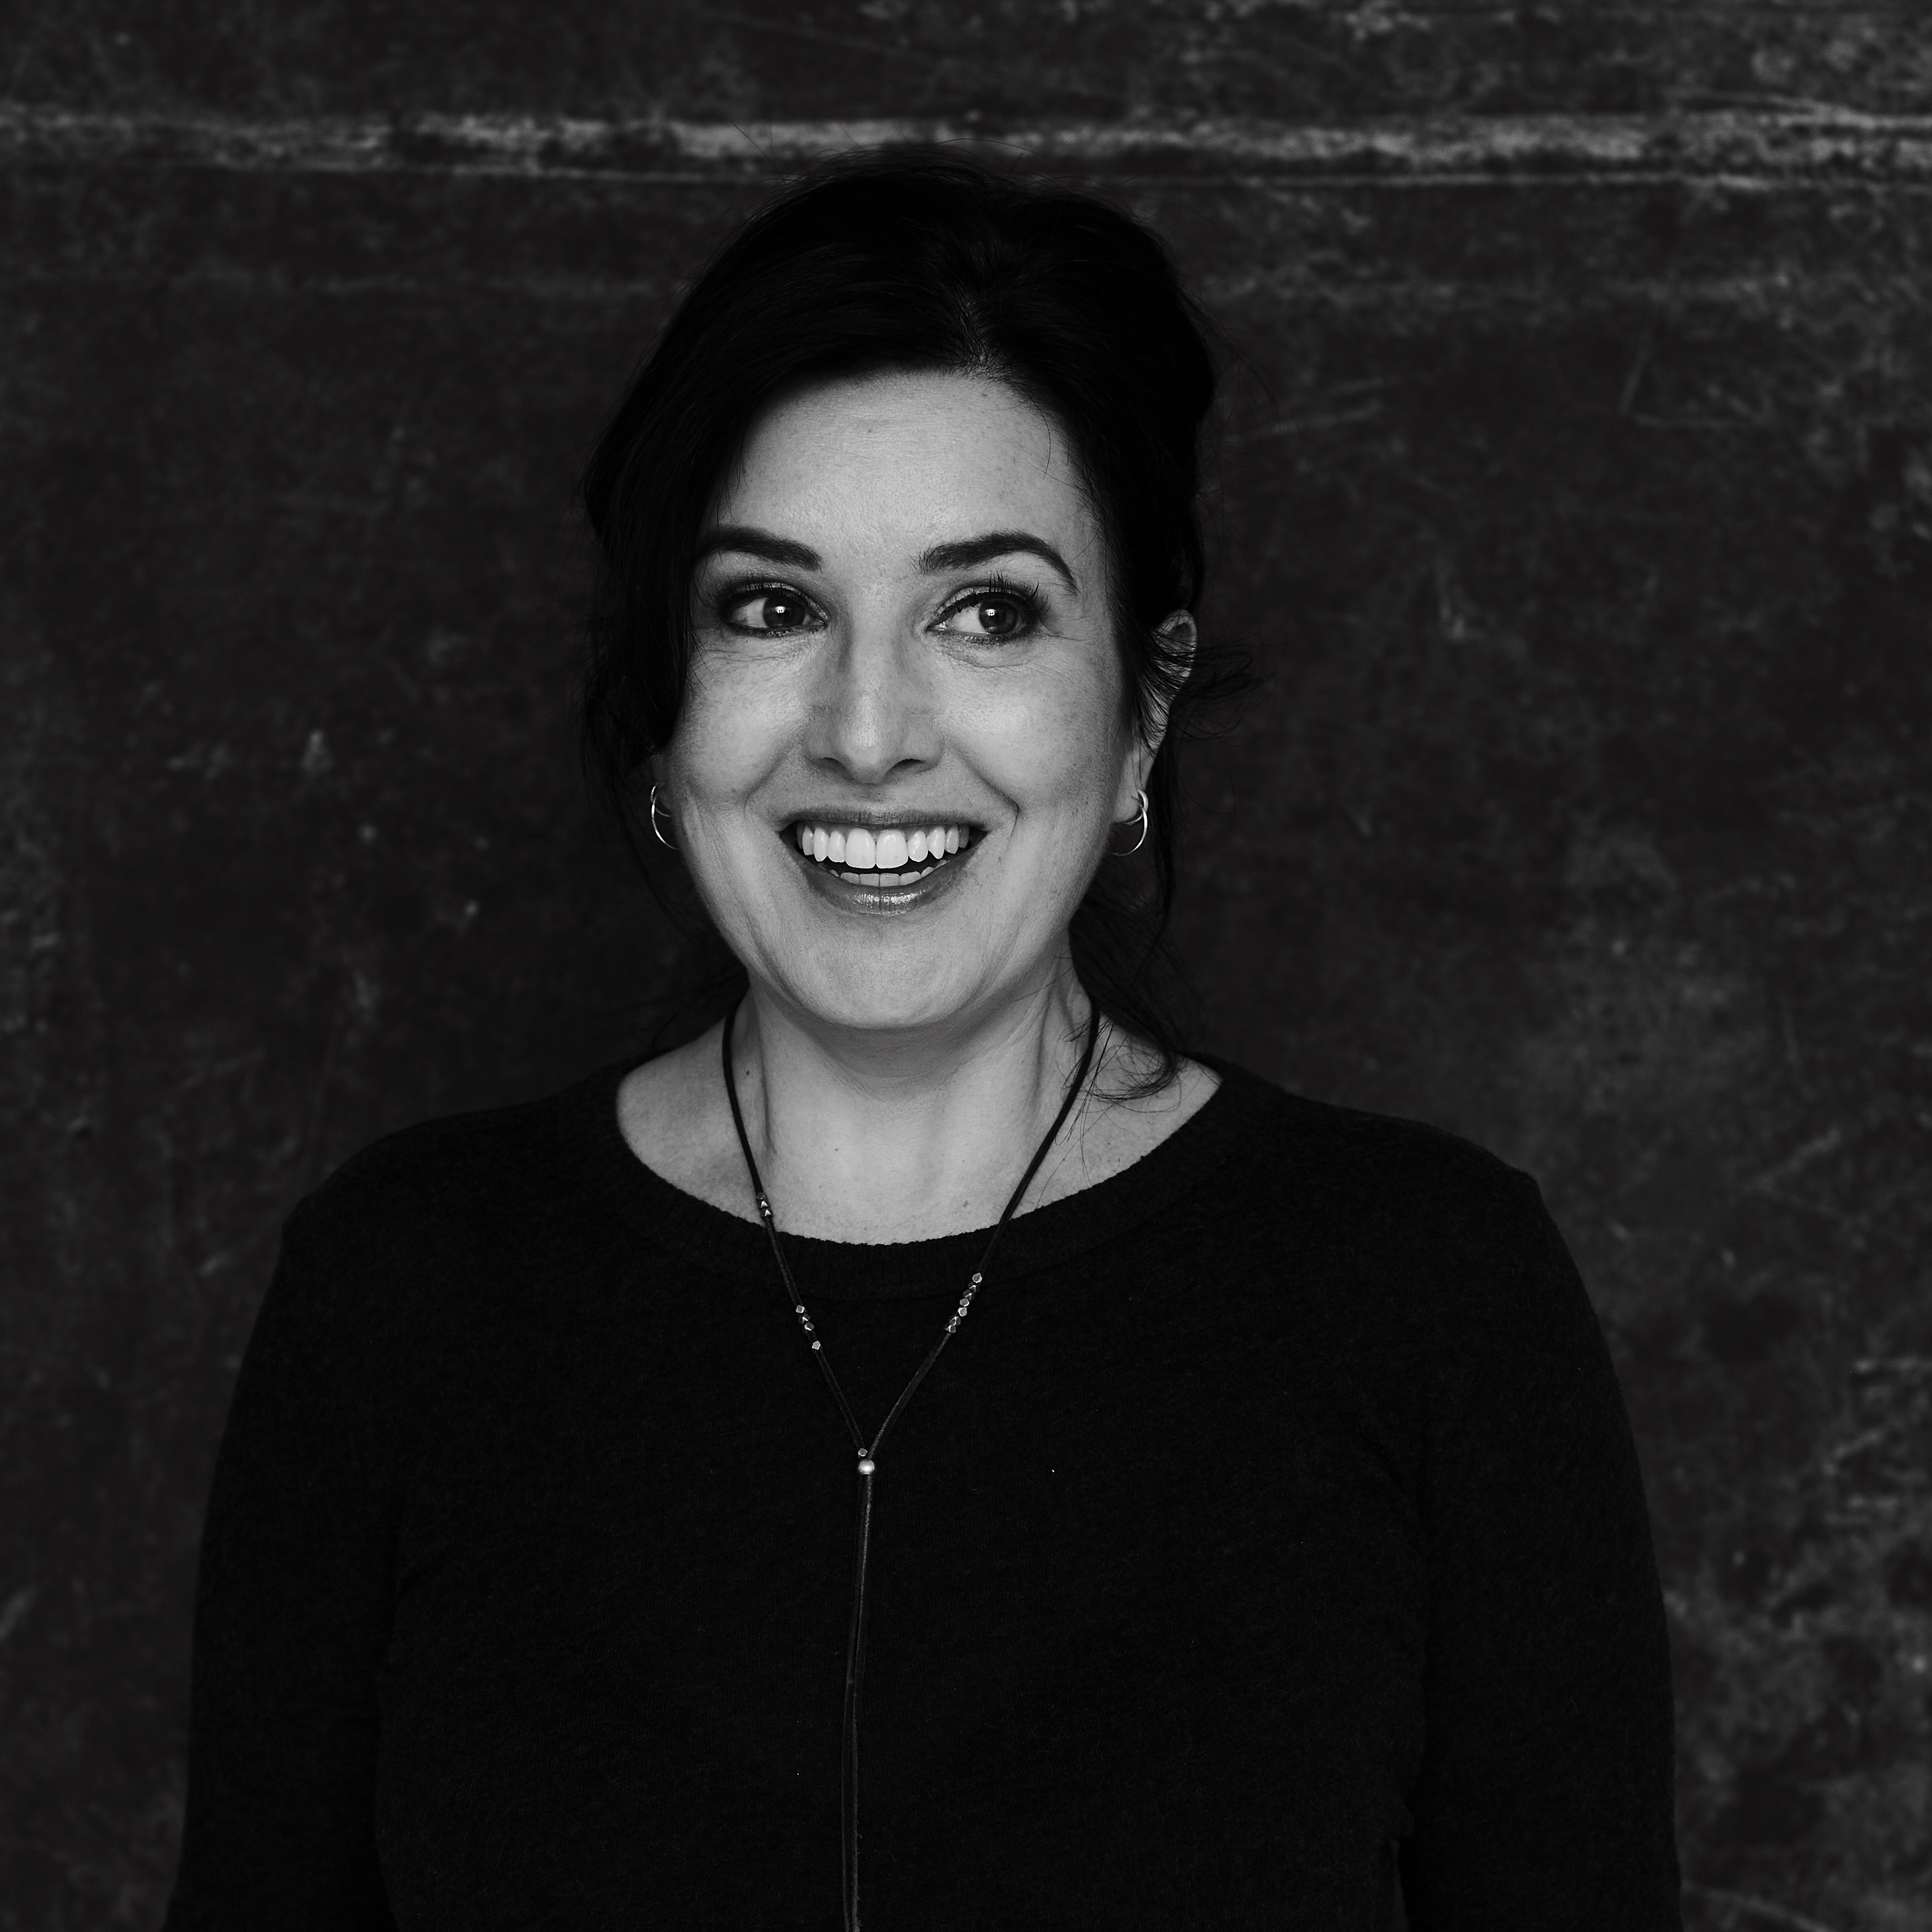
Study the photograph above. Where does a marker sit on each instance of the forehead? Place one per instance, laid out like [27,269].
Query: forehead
[901,461]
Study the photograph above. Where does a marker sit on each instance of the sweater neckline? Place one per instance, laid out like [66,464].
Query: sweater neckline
[592,1145]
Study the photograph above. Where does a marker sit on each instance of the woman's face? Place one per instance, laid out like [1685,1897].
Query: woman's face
[905,732]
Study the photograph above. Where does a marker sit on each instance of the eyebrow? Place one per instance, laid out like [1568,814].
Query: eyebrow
[748,539]
[962,555]
[755,542]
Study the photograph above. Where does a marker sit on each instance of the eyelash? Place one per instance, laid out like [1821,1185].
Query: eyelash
[741,594]
[1032,606]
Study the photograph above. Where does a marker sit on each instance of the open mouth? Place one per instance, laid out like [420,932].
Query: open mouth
[879,855]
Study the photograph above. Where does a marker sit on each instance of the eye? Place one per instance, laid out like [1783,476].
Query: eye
[994,613]
[767,611]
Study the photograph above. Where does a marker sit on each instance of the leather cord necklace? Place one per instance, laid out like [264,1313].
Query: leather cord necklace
[868,1452]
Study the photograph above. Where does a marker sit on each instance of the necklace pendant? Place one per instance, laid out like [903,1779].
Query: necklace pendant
[865,1466]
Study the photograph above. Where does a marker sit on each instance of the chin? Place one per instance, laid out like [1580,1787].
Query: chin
[922,987]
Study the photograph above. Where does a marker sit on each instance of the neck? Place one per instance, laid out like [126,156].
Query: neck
[863,1139]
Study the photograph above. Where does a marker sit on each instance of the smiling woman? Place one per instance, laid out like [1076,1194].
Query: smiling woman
[902,680]
[1270,1548]
[1044,330]
[932,693]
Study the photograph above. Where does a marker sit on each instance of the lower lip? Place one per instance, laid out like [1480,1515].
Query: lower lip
[885,899]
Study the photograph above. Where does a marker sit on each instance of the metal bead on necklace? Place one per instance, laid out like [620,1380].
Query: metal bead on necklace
[855,1643]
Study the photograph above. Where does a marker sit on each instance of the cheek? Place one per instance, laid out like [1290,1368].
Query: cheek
[1060,742]
[725,741]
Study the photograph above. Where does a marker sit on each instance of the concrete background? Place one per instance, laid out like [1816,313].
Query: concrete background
[1577,507]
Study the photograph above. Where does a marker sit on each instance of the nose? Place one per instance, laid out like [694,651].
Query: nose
[873,714]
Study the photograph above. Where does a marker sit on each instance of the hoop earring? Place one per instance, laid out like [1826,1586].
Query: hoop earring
[1142,839]
[656,833]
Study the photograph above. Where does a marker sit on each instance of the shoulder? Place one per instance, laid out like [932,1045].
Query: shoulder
[1440,1254]
[392,1276]
[1405,1170]
[448,1197]
[436,1242]
[1401,1209]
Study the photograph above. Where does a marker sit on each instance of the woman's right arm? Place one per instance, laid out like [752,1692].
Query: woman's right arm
[291,1614]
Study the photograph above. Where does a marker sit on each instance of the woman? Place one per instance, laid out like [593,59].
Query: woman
[1155,1500]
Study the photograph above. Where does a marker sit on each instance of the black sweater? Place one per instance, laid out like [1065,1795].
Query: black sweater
[1274,1516]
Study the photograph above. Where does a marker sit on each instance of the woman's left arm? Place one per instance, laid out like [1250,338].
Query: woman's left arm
[1545,1799]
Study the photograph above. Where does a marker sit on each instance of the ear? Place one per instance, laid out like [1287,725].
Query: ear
[1178,637]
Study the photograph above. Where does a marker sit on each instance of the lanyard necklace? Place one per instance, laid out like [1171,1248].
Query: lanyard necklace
[855,1641]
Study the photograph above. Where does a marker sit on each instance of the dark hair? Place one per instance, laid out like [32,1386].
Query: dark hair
[923,264]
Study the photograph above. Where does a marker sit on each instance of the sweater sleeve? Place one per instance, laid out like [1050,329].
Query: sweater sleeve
[292,1612]
[1544,1802]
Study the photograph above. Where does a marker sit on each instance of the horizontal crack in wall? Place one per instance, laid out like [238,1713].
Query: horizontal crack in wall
[1737,147]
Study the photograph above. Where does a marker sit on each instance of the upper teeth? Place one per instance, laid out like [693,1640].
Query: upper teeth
[863,849]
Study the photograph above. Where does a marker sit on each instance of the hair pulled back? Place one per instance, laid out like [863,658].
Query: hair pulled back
[921,265]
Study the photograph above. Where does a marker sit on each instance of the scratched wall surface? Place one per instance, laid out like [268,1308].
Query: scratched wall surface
[1576,502]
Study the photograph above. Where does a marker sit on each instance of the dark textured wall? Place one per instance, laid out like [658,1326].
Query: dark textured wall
[1577,504]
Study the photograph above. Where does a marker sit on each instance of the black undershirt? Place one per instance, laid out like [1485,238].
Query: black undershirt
[1273,1518]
